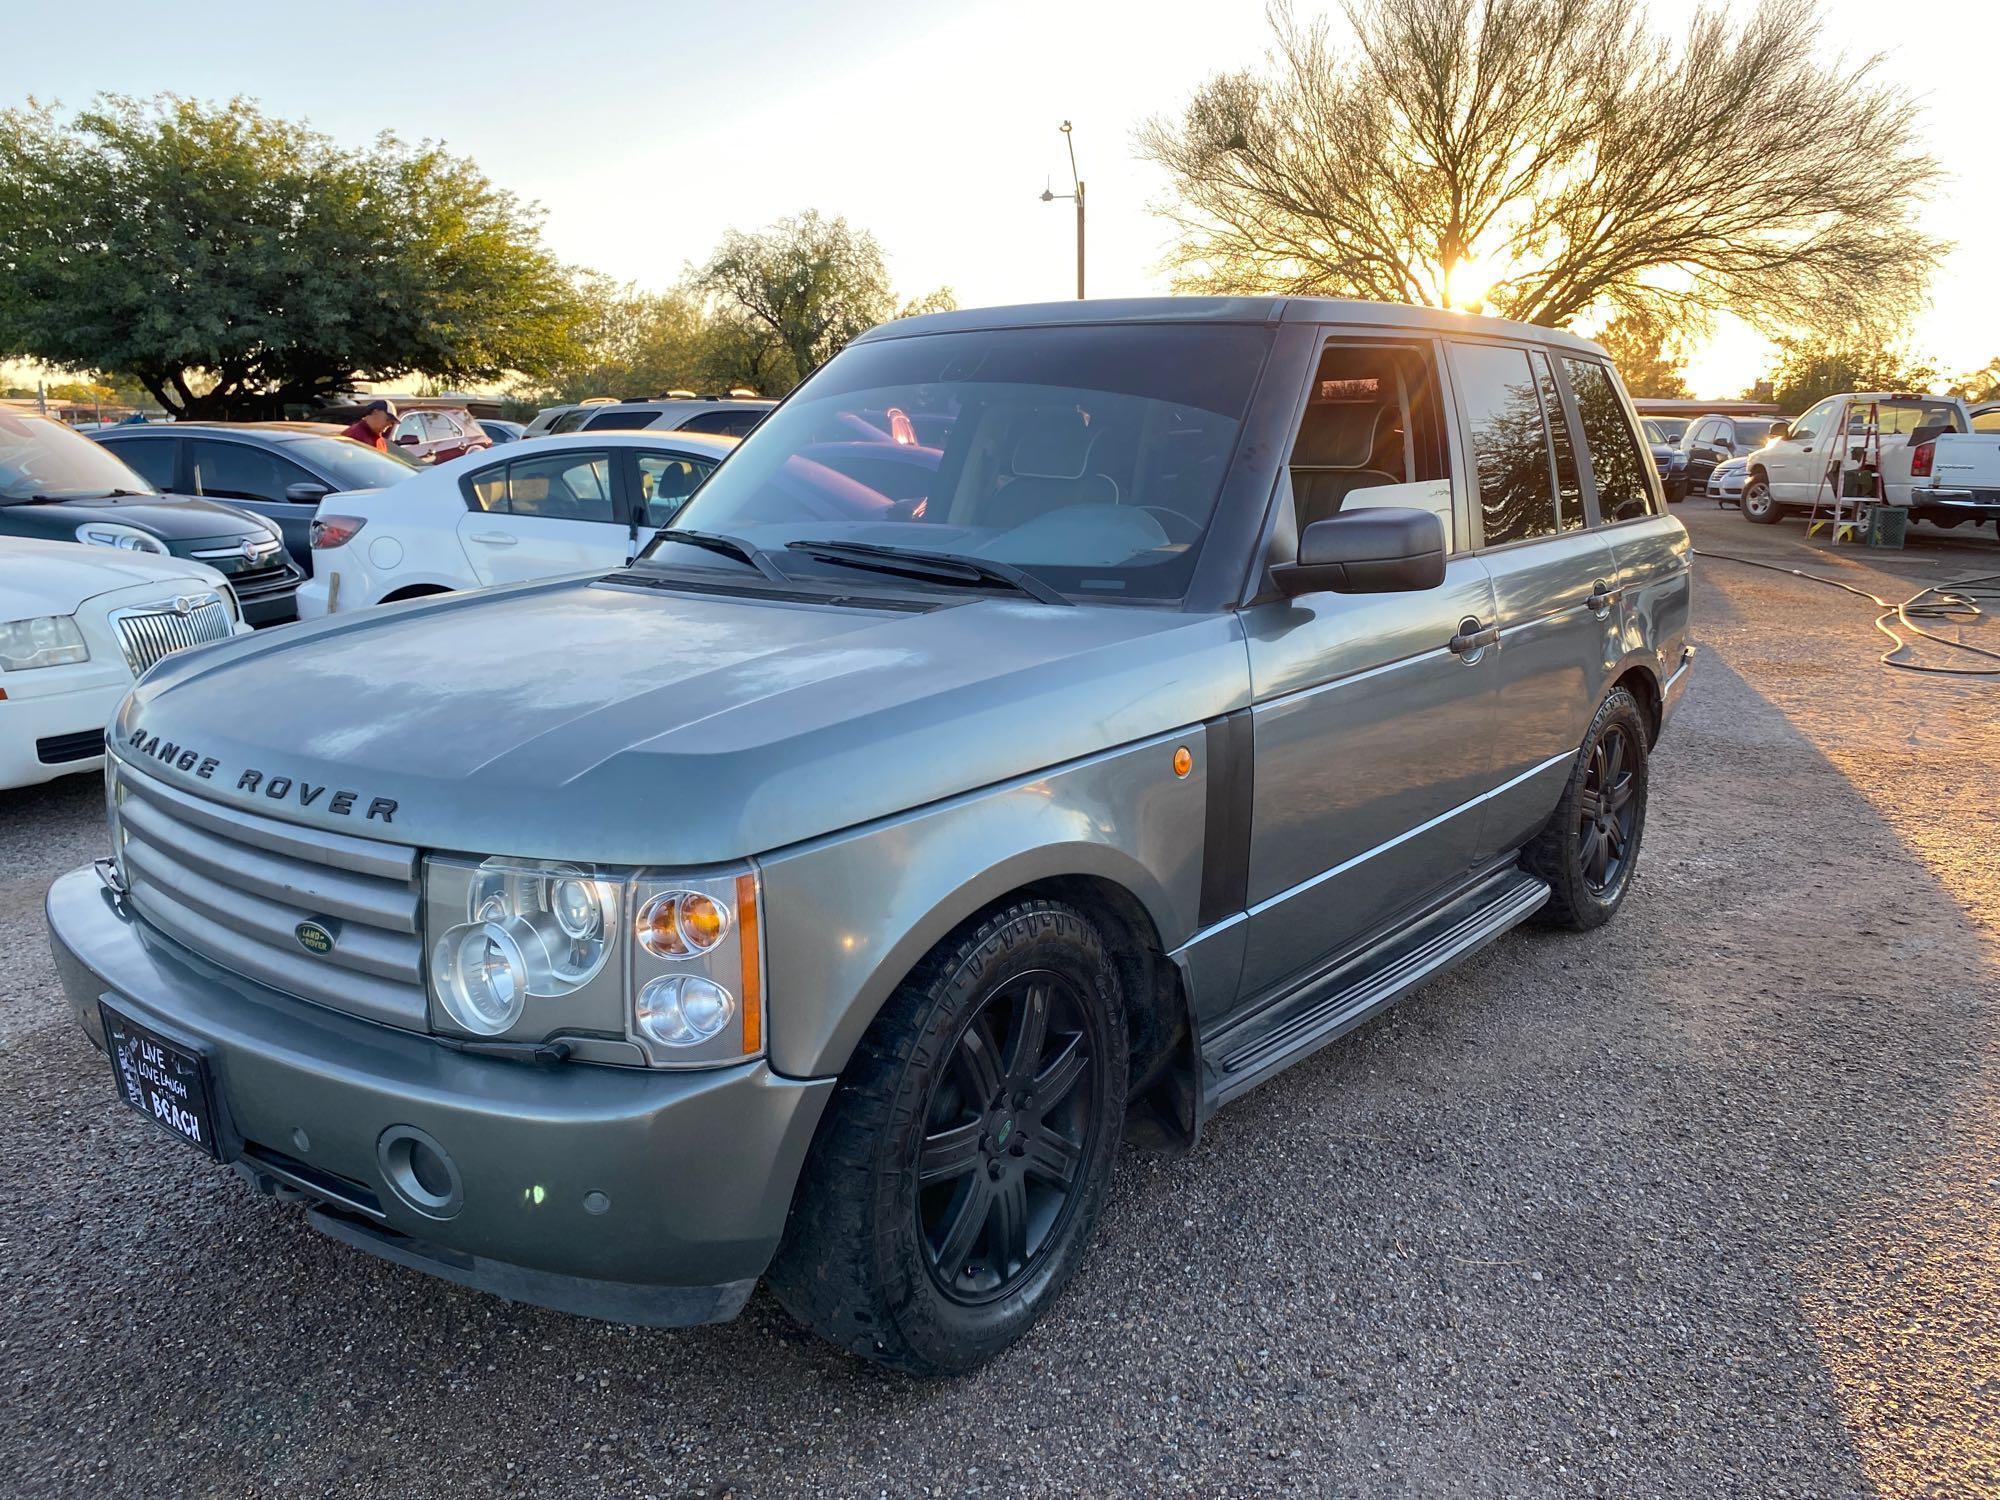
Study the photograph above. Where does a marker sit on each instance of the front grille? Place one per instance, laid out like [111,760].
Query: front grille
[235,887]
[252,582]
[59,749]
[151,632]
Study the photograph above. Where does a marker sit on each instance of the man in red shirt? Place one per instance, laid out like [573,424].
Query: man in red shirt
[373,426]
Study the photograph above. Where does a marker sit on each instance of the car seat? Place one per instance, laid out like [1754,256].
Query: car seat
[1332,458]
[1051,465]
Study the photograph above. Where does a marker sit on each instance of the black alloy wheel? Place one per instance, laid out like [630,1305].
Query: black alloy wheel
[1607,813]
[1005,1134]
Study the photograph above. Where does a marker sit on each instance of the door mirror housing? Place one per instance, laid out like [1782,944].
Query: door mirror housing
[409,439]
[1779,432]
[305,492]
[1374,549]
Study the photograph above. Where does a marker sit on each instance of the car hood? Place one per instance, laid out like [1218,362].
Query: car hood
[53,578]
[174,519]
[626,725]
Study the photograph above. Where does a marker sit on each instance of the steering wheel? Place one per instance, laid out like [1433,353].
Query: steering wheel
[1178,527]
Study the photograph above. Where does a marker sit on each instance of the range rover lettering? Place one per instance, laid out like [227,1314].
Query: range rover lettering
[823,895]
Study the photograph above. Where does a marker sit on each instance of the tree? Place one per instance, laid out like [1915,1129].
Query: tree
[633,343]
[1982,384]
[1810,370]
[234,263]
[812,281]
[1546,159]
[1649,362]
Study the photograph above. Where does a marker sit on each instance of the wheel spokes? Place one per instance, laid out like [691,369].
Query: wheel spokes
[1031,1029]
[949,1153]
[1053,1083]
[980,1058]
[968,1223]
[1008,1242]
[1051,1156]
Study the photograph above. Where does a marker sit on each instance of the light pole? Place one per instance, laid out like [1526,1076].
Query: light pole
[1049,196]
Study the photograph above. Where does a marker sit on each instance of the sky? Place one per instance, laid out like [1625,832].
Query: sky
[646,130]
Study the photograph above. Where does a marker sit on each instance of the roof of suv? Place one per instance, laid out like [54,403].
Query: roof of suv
[1384,315]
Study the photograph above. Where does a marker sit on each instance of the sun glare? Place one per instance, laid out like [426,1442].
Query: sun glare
[1467,284]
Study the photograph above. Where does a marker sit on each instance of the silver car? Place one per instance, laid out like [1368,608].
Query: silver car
[1050,723]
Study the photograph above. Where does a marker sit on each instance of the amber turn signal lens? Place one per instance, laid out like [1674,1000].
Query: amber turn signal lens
[1183,761]
[660,928]
[702,920]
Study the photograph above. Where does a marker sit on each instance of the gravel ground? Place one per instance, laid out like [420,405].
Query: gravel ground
[1701,1204]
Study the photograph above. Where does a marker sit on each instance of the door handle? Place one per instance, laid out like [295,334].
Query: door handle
[495,538]
[1602,597]
[1472,638]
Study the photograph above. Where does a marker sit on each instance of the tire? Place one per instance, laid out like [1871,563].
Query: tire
[938,1215]
[1758,505]
[1587,853]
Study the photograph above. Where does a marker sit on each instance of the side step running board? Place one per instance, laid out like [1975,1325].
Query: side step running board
[1332,1003]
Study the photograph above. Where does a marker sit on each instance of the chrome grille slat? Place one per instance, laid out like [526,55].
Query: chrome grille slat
[149,633]
[234,887]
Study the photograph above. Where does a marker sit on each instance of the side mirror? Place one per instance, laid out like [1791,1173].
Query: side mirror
[1376,549]
[1779,432]
[409,440]
[306,493]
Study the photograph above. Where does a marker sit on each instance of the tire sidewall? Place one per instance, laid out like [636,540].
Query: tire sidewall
[1766,512]
[1593,908]
[945,1334]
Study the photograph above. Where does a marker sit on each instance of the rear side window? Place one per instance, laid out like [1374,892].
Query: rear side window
[665,482]
[1569,489]
[727,423]
[152,459]
[555,486]
[620,421]
[1986,421]
[237,471]
[1510,442]
[1615,462]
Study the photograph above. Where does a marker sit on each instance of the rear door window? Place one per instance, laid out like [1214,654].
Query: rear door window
[1510,442]
[727,423]
[615,420]
[238,471]
[556,486]
[665,482]
[1623,491]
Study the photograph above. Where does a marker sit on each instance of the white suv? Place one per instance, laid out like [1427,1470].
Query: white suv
[532,509]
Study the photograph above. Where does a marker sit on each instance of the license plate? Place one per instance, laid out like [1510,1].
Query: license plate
[165,1081]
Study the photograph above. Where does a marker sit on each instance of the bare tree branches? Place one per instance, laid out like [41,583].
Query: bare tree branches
[1551,159]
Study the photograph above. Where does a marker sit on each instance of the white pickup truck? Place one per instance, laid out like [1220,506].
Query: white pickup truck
[1917,431]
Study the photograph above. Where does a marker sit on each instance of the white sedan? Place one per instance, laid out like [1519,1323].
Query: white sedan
[78,626]
[533,509]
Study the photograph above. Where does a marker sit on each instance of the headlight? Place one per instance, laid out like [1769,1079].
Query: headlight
[536,952]
[127,538]
[45,641]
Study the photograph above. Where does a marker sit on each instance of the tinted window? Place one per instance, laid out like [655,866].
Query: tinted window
[1090,457]
[1753,434]
[238,471]
[150,457]
[1986,421]
[1623,491]
[1900,419]
[728,423]
[569,421]
[556,486]
[1370,436]
[350,465]
[1569,489]
[1510,442]
[615,420]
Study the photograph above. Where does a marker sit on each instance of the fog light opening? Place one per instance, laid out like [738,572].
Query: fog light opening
[420,1171]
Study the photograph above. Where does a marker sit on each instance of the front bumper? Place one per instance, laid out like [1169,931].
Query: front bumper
[51,713]
[631,1195]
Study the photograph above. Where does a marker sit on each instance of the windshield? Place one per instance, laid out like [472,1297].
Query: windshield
[1754,434]
[1089,458]
[1665,429]
[41,459]
[350,465]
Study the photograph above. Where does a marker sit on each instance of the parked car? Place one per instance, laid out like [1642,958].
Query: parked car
[1955,476]
[502,432]
[1663,437]
[556,505]
[77,626]
[437,435]
[278,470]
[1791,469]
[59,485]
[1726,479]
[724,416]
[545,419]
[822,896]
[1712,439]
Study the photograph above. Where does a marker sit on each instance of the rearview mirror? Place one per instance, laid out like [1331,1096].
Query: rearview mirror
[305,492]
[1373,549]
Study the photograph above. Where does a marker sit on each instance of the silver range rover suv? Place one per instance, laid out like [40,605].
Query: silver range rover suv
[1050,723]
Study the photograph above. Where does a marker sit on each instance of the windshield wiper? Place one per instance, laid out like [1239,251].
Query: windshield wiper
[945,567]
[726,546]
